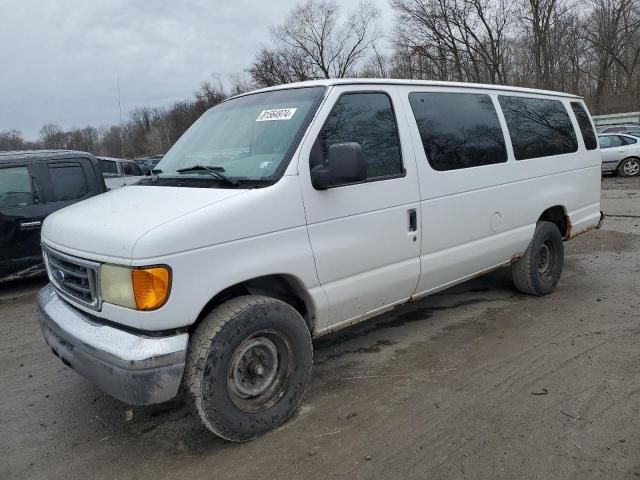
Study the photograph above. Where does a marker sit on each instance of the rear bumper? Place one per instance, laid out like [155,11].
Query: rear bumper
[135,369]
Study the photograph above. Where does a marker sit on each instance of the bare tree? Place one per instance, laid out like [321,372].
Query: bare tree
[312,43]
[240,84]
[278,66]
[111,141]
[463,40]
[586,47]
[616,46]
[11,140]
[52,136]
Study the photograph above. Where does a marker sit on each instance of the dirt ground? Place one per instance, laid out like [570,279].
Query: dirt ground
[476,382]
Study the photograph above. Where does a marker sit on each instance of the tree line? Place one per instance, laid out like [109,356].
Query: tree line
[587,47]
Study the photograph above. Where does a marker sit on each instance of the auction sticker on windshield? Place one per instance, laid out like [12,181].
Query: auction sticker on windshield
[276,114]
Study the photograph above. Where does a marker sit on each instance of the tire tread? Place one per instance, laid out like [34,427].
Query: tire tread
[522,270]
[199,346]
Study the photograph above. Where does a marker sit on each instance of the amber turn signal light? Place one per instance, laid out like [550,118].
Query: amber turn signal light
[150,287]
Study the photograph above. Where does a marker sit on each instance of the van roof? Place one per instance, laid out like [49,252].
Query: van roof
[421,83]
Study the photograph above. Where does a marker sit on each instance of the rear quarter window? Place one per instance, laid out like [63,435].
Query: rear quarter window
[458,130]
[584,122]
[538,127]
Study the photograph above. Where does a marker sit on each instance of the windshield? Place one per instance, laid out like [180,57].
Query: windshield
[247,138]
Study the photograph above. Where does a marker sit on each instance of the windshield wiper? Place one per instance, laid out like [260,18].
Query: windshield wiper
[213,171]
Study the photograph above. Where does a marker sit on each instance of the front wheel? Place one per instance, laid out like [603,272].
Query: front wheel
[248,365]
[630,167]
[538,271]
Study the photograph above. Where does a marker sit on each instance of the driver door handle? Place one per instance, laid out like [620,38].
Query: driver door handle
[413,220]
[27,225]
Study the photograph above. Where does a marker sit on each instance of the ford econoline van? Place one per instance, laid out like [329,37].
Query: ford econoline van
[287,213]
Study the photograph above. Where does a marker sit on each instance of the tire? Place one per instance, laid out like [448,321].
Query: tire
[630,167]
[538,271]
[248,365]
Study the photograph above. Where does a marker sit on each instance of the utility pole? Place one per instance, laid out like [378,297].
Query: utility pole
[121,127]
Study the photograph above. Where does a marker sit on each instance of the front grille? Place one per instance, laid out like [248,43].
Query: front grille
[73,277]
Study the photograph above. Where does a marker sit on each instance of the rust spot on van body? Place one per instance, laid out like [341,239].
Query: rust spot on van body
[569,235]
[580,232]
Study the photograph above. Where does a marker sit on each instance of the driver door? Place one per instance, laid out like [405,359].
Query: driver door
[364,236]
[21,216]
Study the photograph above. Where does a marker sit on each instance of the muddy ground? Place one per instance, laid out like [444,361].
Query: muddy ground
[475,382]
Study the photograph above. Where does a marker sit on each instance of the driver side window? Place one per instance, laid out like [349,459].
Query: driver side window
[369,120]
[15,187]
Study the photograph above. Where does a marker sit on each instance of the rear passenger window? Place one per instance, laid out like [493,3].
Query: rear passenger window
[628,140]
[69,182]
[586,128]
[368,119]
[538,127]
[610,141]
[458,130]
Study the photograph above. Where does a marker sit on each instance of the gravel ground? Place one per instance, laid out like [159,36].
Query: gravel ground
[475,382]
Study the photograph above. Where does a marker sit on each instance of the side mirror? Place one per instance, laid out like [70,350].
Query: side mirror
[345,164]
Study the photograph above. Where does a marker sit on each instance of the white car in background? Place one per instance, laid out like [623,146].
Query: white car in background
[620,153]
[119,173]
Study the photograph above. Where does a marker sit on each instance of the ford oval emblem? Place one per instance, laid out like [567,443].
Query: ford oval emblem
[59,275]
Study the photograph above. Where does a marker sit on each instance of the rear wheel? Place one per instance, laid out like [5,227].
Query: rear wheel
[248,366]
[538,271]
[630,167]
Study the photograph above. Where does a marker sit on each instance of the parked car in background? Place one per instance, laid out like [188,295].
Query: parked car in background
[148,163]
[620,154]
[630,128]
[153,161]
[119,173]
[34,184]
[262,230]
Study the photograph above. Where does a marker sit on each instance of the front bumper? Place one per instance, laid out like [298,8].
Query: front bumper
[136,369]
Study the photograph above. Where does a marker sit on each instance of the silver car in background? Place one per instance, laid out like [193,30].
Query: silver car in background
[118,172]
[629,128]
[620,153]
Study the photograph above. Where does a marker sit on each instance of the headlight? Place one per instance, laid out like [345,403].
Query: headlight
[138,288]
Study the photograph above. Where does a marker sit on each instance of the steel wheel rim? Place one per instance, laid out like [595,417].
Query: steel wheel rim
[260,370]
[632,167]
[547,260]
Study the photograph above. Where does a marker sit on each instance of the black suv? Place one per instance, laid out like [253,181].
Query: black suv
[34,184]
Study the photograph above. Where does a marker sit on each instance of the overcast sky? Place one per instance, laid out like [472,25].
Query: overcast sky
[60,59]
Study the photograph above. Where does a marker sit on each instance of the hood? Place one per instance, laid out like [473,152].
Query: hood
[111,224]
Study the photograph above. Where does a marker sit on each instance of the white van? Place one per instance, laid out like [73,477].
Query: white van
[287,213]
